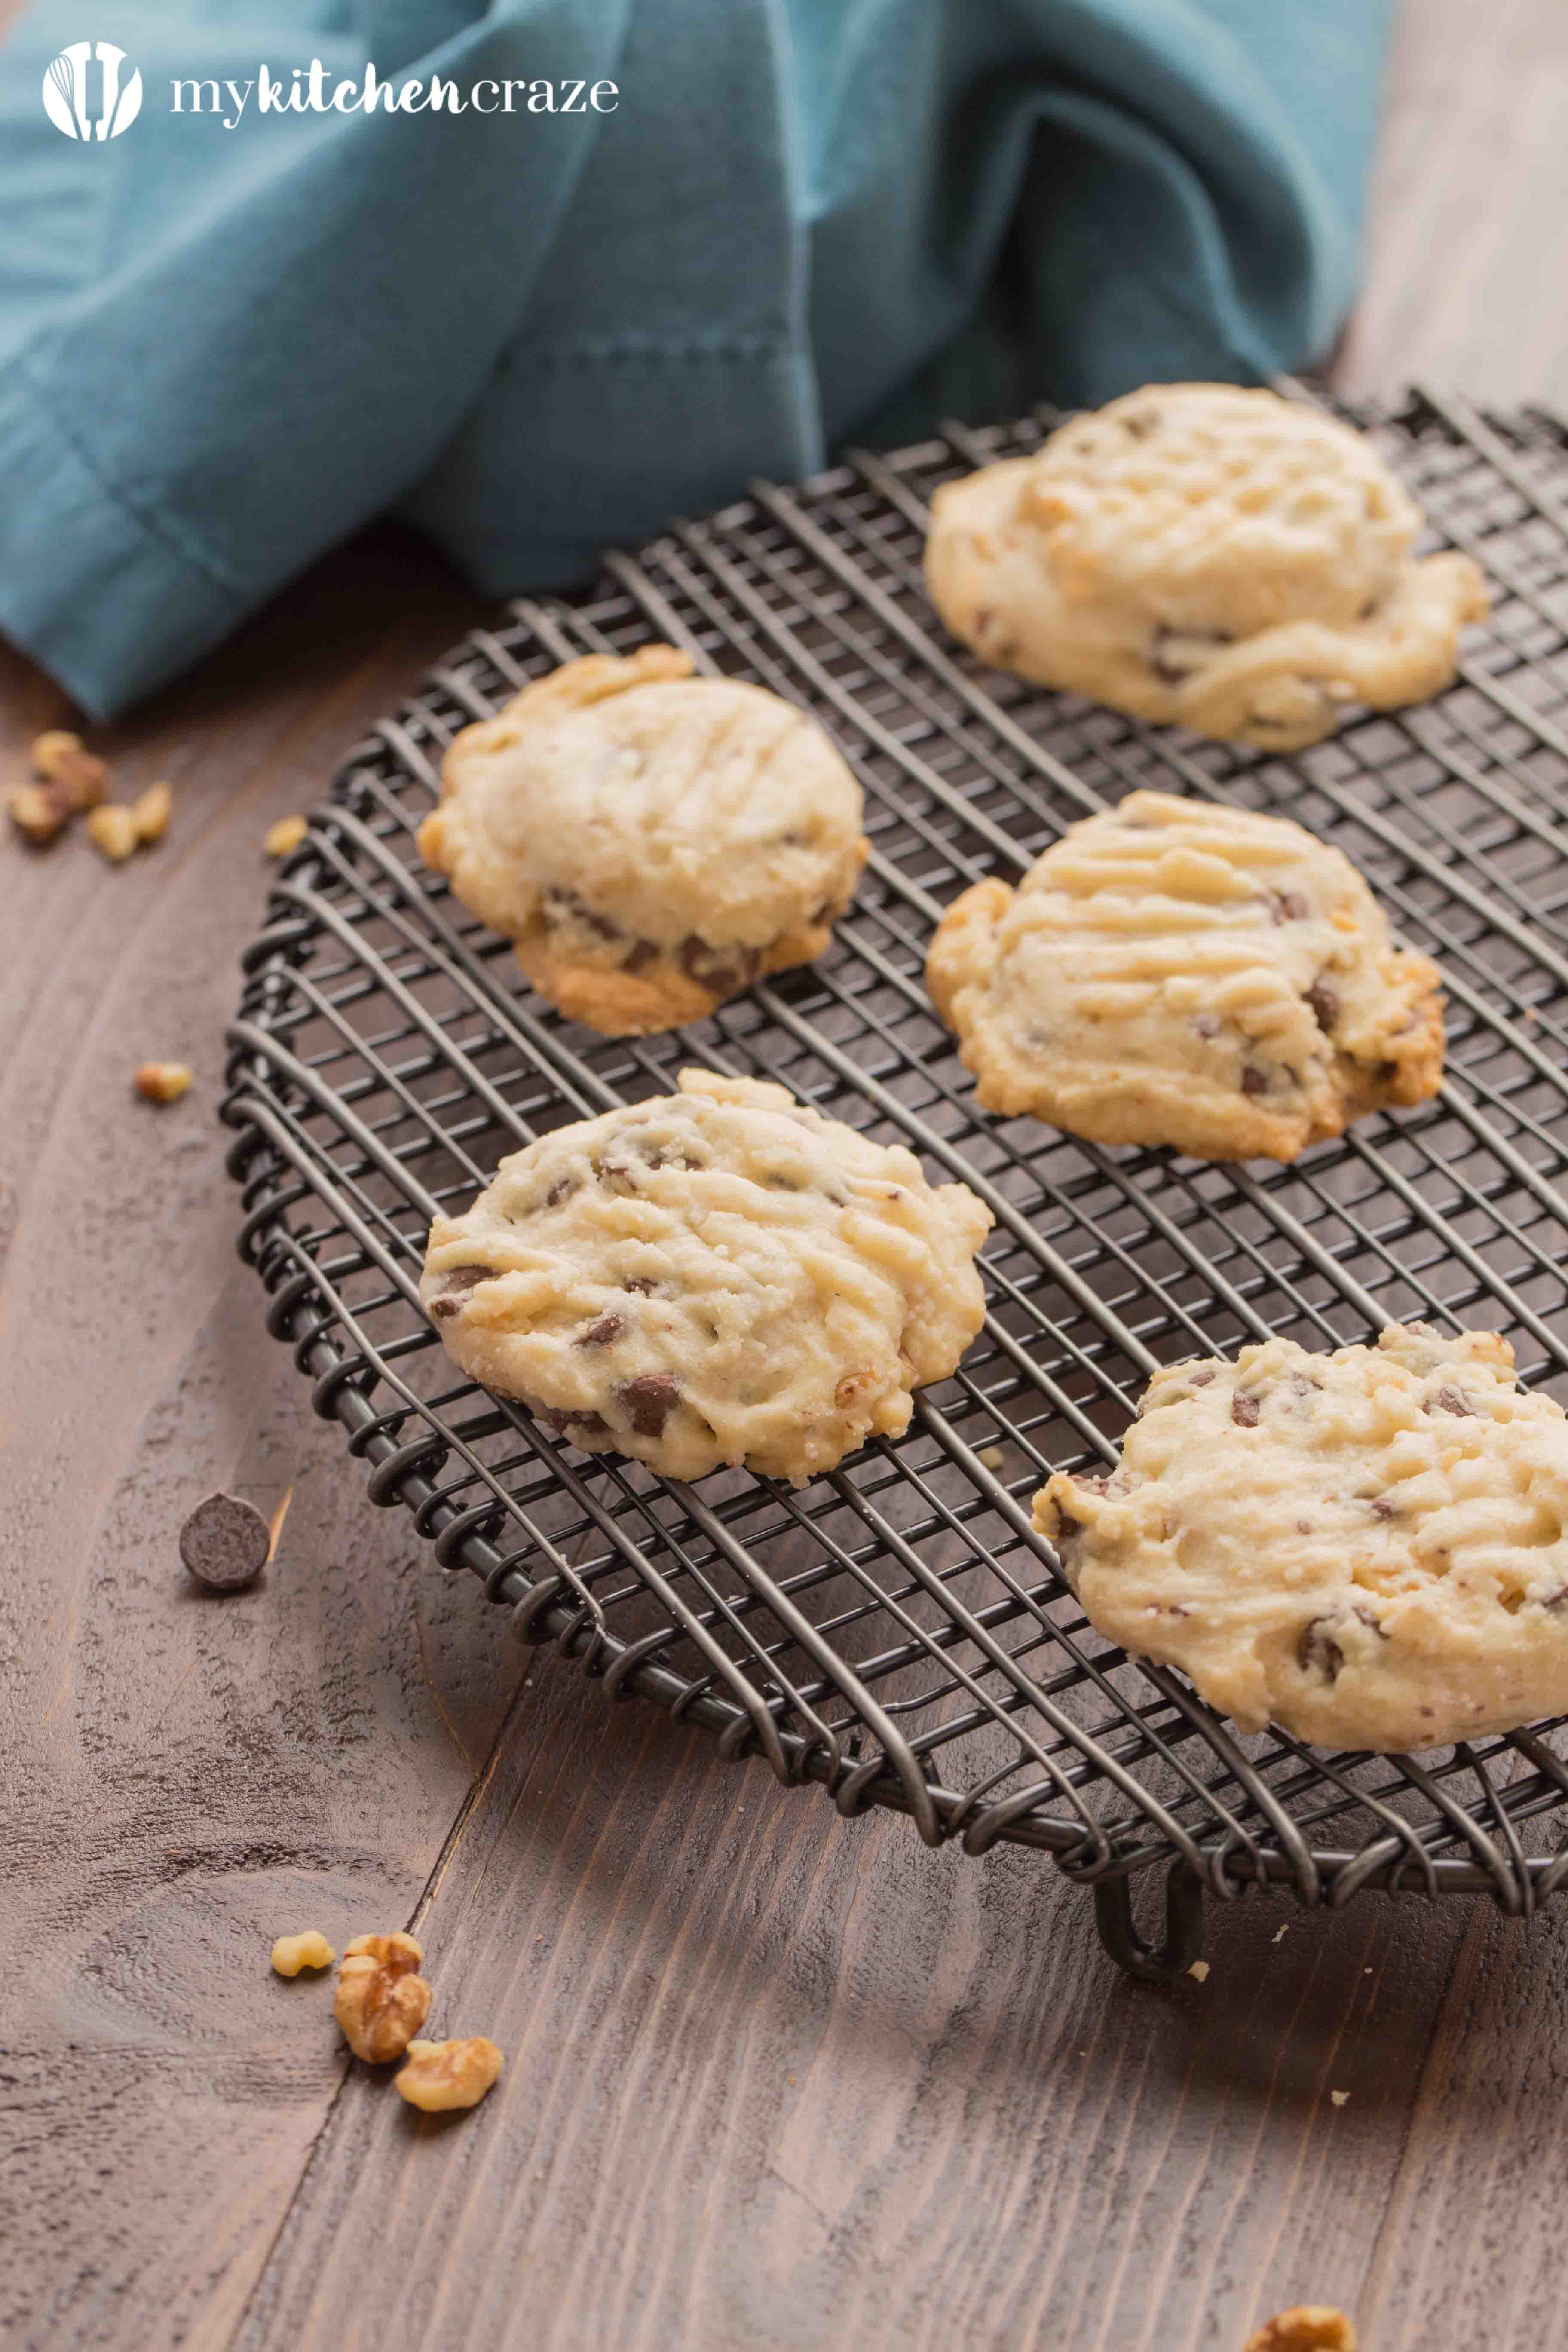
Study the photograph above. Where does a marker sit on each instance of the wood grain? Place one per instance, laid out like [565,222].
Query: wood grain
[770,2077]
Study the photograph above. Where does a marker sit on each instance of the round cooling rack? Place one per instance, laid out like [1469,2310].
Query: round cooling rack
[895,1631]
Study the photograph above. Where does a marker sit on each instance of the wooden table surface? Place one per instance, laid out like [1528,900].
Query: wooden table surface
[769,2077]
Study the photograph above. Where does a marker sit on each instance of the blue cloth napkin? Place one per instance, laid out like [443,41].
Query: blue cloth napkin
[229,336]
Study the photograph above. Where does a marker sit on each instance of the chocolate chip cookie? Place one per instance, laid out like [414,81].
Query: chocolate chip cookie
[1222,560]
[1369,1547]
[723,1275]
[1174,972]
[650,841]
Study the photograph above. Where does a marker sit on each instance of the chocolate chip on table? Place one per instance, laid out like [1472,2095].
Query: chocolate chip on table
[1325,1004]
[650,1399]
[600,1334]
[1317,1652]
[1244,1410]
[224,1543]
[455,1285]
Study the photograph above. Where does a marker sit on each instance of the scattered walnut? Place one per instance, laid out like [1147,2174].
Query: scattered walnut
[37,811]
[150,812]
[381,2004]
[449,2073]
[163,1082]
[286,834]
[1305,2328]
[60,760]
[307,1950]
[111,829]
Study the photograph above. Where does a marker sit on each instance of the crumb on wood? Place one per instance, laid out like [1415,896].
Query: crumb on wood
[163,1082]
[150,812]
[1199,1971]
[111,829]
[1305,2328]
[1339,2097]
[285,835]
[275,1524]
[1280,1933]
[309,1950]
[440,2076]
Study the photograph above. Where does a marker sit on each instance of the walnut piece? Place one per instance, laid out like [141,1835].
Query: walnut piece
[380,2002]
[286,834]
[150,812]
[111,829]
[449,2073]
[310,1949]
[69,779]
[163,1082]
[1305,2328]
[81,779]
[37,811]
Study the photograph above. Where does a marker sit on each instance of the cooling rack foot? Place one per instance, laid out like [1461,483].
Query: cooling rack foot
[1152,1963]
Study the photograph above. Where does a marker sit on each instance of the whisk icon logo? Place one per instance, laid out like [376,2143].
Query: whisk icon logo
[85,94]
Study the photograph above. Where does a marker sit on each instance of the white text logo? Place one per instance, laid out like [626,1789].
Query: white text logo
[85,95]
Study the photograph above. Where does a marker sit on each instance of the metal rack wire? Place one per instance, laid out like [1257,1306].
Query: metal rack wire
[895,1632]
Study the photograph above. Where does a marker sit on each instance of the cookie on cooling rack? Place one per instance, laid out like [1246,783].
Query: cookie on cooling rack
[1220,560]
[723,1276]
[1174,973]
[1369,1547]
[650,841]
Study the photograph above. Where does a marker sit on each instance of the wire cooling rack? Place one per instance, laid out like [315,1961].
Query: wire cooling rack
[896,1632]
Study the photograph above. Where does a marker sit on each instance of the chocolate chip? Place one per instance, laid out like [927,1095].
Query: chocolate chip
[722,969]
[1289,907]
[564,1421]
[1245,1410]
[1207,1025]
[1174,672]
[1451,1401]
[1555,1599]
[600,1334]
[1370,1617]
[640,955]
[1202,1380]
[562,1190]
[617,1176]
[1317,1652]
[1325,1004]
[650,1399]
[224,1543]
[455,1284]
[571,904]
[1383,1507]
[641,1283]
[1253,1082]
